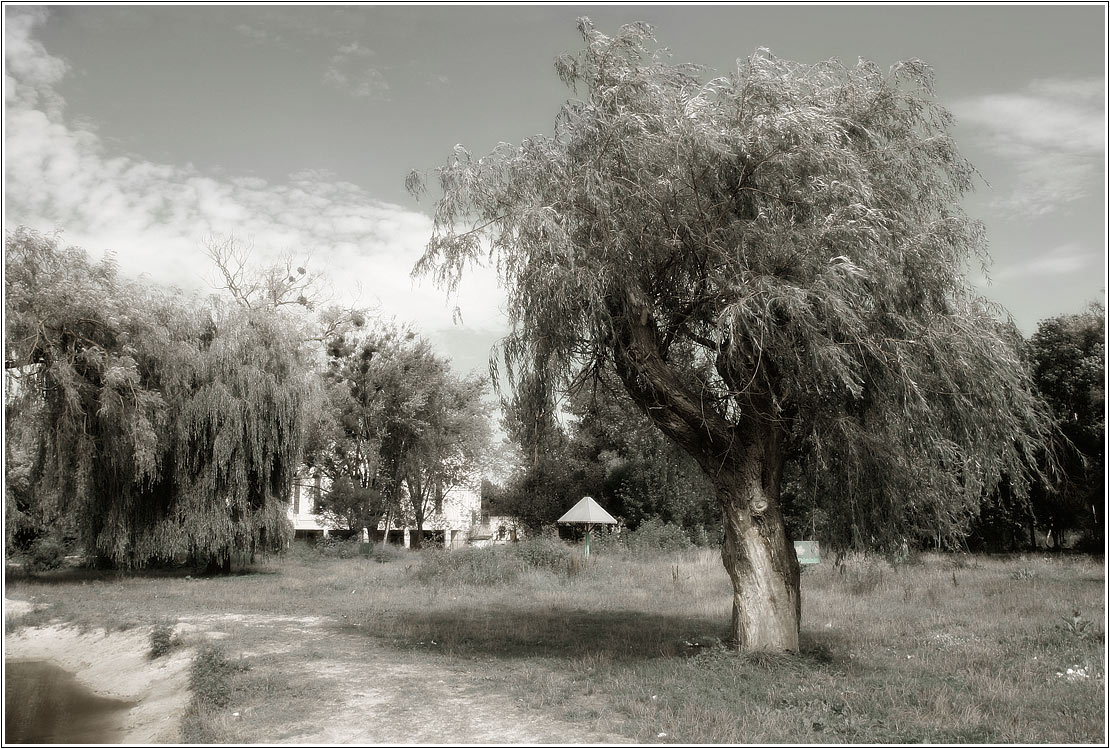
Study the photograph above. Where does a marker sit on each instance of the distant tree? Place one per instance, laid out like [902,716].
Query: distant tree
[408,431]
[452,444]
[1068,359]
[287,285]
[540,493]
[162,427]
[772,263]
[529,418]
[646,474]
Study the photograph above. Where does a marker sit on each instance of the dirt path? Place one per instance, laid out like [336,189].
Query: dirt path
[356,692]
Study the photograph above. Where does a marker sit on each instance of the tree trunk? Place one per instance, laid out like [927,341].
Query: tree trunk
[760,560]
[219,563]
[416,539]
[742,457]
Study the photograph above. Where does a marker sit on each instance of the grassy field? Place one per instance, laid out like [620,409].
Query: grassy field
[944,650]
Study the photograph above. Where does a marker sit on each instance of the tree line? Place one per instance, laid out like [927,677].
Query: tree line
[153,427]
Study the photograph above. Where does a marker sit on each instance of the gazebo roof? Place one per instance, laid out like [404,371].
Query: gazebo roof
[587,511]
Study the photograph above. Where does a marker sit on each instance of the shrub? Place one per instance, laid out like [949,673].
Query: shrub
[655,535]
[384,553]
[862,573]
[543,552]
[47,553]
[330,547]
[162,640]
[210,676]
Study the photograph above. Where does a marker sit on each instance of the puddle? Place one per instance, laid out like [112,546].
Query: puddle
[44,704]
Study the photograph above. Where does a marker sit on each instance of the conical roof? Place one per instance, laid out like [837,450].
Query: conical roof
[587,511]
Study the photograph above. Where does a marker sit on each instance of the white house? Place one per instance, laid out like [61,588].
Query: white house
[451,525]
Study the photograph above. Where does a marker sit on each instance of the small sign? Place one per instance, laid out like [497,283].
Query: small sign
[809,552]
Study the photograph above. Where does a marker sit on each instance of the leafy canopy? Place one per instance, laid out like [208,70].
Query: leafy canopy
[163,428]
[779,248]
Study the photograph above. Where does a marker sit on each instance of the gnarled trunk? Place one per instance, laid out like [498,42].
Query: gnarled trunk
[761,562]
[744,459]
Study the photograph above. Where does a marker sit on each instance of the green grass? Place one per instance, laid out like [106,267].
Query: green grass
[947,650]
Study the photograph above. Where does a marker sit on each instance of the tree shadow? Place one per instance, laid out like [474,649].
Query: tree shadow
[549,632]
[85,574]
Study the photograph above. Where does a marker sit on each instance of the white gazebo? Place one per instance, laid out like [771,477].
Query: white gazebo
[589,512]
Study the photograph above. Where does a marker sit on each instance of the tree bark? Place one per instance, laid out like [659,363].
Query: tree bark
[760,561]
[744,461]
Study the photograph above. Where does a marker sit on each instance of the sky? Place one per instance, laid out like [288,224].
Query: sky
[147,131]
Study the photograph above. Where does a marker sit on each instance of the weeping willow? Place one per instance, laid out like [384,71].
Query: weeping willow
[161,430]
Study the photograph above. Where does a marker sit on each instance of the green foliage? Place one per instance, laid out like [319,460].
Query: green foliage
[211,675]
[655,535]
[162,640]
[770,261]
[163,428]
[47,553]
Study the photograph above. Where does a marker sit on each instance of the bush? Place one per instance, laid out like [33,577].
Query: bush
[47,553]
[655,536]
[210,676]
[862,573]
[162,640]
[543,552]
[384,553]
[330,547]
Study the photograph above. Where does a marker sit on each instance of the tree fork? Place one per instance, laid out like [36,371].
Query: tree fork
[745,465]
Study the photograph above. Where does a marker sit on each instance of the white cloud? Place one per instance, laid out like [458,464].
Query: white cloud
[30,73]
[348,71]
[1060,261]
[156,217]
[1053,136]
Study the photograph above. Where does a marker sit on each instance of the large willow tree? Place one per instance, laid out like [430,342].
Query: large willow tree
[772,263]
[158,429]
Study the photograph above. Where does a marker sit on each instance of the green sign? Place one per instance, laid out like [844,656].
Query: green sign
[809,552]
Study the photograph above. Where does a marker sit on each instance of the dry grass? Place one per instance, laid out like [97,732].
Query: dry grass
[948,650]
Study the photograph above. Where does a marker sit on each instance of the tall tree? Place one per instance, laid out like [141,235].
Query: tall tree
[772,263]
[409,431]
[163,428]
[452,443]
[1068,358]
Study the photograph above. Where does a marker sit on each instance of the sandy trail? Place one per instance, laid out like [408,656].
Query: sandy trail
[384,696]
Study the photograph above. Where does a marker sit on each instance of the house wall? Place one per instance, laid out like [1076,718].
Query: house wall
[460,512]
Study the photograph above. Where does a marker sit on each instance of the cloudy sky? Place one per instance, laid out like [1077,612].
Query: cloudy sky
[145,130]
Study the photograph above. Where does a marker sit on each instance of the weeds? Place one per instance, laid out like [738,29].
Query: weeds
[1076,625]
[162,640]
[861,574]
[210,676]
